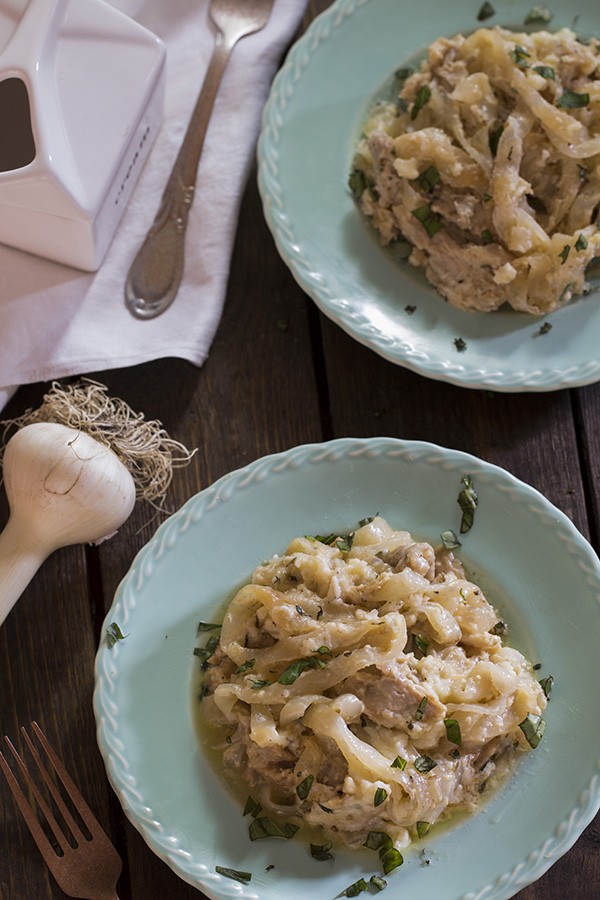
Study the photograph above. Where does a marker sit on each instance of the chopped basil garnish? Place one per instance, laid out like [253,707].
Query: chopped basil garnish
[547,684]
[545,72]
[252,808]
[325,808]
[420,710]
[449,540]
[378,883]
[467,500]
[545,328]
[357,182]
[533,728]
[537,14]
[206,626]
[389,856]
[428,179]
[342,541]
[244,667]
[366,521]
[500,628]
[486,11]
[321,851]
[519,56]
[572,100]
[409,309]
[295,669]
[581,242]
[421,643]
[487,237]
[377,840]
[264,828]
[428,219]
[423,828]
[304,787]
[460,344]
[260,683]
[356,888]
[399,763]
[423,95]
[114,634]
[564,253]
[455,754]
[380,796]
[403,73]
[424,764]
[494,139]
[453,731]
[203,654]
[567,292]
[402,248]
[390,859]
[244,877]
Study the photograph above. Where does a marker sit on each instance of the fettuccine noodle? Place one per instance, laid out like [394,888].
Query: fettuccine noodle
[361,684]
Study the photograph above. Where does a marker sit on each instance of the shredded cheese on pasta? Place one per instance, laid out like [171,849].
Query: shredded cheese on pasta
[370,673]
[488,164]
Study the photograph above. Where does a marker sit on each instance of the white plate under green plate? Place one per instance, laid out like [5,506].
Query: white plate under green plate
[312,119]
[540,573]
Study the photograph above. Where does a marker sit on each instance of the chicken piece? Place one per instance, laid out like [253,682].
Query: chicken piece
[219,669]
[452,267]
[393,701]
[447,563]
[419,557]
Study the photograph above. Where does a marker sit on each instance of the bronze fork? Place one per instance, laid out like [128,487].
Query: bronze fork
[84,865]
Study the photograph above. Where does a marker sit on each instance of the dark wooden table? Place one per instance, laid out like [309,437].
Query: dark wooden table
[279,374]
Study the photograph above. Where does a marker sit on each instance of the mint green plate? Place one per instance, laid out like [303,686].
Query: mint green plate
[543,577]
[312,119]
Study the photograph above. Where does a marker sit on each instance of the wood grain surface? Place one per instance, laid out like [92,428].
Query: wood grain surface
[279,374]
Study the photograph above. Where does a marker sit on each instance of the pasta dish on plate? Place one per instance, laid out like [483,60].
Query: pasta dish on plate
[361,686]
[487,163]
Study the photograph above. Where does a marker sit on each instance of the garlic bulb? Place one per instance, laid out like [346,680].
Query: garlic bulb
[63,487]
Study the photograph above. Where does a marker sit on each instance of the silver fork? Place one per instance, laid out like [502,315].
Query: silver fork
[157,270]
[91,868]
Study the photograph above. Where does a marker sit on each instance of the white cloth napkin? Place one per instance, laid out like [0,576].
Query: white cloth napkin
[56,321]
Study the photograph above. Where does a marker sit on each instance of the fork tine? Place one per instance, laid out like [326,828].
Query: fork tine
[57,831]
[87,816]
[64,811]
[82,807]
[37,832]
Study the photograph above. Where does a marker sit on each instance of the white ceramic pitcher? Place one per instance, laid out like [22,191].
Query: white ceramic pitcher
[81,96]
